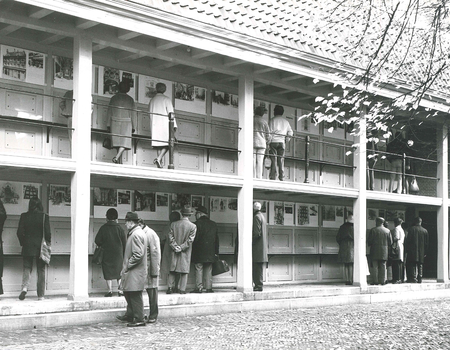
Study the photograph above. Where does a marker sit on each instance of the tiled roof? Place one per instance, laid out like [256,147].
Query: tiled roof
[303,25]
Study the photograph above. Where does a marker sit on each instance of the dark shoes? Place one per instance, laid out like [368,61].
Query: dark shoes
[22,295]
[151,320]
[348,283]
[136,324]
[182,292]
[124,318]
[196,290]
[120,293]
[169,291]
[108,295]
[157,163]
[209,291]
[257,289]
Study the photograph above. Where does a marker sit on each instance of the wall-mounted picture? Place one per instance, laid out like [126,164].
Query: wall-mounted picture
[232,205]
[200,93]
[180,200]
[329,213]
[302,215]
[162,199]
[30,191]
[144,201]
[147,88]
[111,80]
[9,193]
[197,201]
[14,63]
[106,197]
[224,105]
[278,213]
[123,197]
[63,72]
[185,92]
[190,98]
[59,195]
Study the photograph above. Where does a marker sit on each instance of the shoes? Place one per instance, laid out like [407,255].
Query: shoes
[348,283]
[120,293]
[22,295]
[209,291]
[41,298]
[157,162]
[115,160]
[151,320]
[108,295]
[397,282]
[396,191]
[182,292]
[257,289]
[197,291]
[124,318]
[169,291]
[136,324]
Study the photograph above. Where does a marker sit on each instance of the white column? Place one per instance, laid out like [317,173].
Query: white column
[360,208]
[442,215]
[245,196]
[80,186]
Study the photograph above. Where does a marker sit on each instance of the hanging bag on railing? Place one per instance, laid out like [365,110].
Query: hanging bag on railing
[413,186]
[46,249]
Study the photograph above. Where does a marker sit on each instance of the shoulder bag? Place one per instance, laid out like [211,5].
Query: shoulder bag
[98,256]
[46,249]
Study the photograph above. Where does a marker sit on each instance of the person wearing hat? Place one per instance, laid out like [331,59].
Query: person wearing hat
[134,271]
[261,138]
[379,241]
[260,246]
[281,134]
[112,238]
[181,235]
[204,250]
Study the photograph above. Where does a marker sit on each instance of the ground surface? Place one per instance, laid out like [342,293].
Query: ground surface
[421,324]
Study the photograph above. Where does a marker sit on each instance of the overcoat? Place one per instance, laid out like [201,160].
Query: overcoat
[261,132]
[159,108]
[31,231]
[2,222]
[121,120]
[345,239]
[153,257]
[134,269]
[379,241]
[181,235]
[398,238]
[112,238]
[259,242]
[416,243]
[206,243]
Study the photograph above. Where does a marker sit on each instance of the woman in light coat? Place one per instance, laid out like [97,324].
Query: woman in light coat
[398,239]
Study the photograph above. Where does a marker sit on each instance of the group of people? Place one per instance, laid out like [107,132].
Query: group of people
[134,259]
[272,136]
[397,246]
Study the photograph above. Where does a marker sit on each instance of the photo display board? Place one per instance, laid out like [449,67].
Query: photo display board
[147,88]
[105,198]
[151,205]
[109,79]
[225,105]
[332,216]
[190,98]
[307,214]
[59,198]
[223,209]
[16,195]
[22,65]
[63,72]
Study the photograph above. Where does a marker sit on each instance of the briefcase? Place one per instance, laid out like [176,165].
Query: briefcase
[219,266]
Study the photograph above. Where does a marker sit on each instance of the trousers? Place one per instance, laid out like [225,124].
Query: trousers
[203,272]
[181,284]
[153,303]
[135,306]
[379,271]
[276,151]
[258,274]
[28,268]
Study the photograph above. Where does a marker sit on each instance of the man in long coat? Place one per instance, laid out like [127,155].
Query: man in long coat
[259,246]
[153,266]
[345,239]
[160,107]
[181,235]
[379,241]
[204,250]
[416,247]
[134,272]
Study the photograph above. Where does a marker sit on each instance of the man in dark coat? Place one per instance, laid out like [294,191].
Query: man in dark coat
[379,241]
[204,250]
[346,255]
[2,222]
[134,272]
[416,247]
[259,247]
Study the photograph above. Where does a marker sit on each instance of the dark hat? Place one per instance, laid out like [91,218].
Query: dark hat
[260,110]
[202,209]
[187,210]
[131,216]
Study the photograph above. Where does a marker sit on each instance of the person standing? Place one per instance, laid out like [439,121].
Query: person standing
[259,246]
[261,138]
[281,134]
[204,250]
[3,217]
[416,246]
[160,108]
[65,105]
[398,238]
[345,239]
[34,225]
[167,250]
[379,242]
[181,235]
[372,157]
[395,150]
[153,265]
[134,272]
[122,120]
[112,238]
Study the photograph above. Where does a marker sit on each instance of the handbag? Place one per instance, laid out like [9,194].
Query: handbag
[107,143]
[46,249]
[219,266]
[413,186]
[394,251]
[98,256]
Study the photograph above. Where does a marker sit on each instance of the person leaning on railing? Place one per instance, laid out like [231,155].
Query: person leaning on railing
[395,150]
[261,138]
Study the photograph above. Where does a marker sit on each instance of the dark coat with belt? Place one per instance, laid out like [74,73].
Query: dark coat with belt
[32,228]
[346,244]
[134,269]
[380,241]
[416,244]
[112,238]
[206,243]
[260,246]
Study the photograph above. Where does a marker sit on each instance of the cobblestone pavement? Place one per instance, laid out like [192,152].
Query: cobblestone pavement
[411,325]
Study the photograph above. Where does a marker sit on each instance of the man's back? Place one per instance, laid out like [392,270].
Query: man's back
[281,129]
[206,243]
[416,243]
[379,241]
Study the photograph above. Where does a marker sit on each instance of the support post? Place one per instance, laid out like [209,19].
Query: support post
[442,215]
[171,141]
[307,141]
[403,190]
[245,195]
[80,184]
[360,208]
